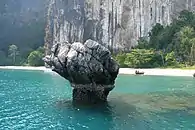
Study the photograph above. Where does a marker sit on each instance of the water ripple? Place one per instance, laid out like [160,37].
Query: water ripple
[35,100]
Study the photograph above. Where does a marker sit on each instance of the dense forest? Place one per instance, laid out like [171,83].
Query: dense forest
[167,46]
[22,30]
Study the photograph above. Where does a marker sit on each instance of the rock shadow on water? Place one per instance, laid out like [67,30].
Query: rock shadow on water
[160,102]
[109,107]
[115,114]
[135,111]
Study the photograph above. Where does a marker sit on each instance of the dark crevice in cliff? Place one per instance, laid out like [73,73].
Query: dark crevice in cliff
[49,30]
[88,30]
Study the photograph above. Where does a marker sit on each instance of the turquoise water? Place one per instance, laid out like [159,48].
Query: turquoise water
[42,101]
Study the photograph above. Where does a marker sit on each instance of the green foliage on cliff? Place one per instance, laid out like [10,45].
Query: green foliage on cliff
[172,45]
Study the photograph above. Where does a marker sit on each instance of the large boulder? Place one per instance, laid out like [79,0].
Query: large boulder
[88,67]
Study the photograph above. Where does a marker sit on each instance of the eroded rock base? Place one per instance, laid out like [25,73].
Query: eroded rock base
[89,97]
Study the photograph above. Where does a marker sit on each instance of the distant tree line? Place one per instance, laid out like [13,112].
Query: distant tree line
[167,46]
[14,58]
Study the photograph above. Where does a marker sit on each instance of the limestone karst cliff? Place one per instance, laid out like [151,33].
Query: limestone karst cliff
[116,24]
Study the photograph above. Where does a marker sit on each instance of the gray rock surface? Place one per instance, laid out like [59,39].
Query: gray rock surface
[88,67]
[116,24]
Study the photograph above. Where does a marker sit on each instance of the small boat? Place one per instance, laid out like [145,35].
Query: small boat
[194,75]
[139,73]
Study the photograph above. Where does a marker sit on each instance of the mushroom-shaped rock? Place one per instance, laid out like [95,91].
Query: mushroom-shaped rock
[88,67]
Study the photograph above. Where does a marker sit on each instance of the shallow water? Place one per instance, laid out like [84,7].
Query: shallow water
[41,101]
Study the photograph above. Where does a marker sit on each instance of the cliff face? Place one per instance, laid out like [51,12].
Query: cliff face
[116,24]
[21,23]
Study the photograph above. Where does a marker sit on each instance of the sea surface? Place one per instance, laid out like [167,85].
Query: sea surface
[36,100]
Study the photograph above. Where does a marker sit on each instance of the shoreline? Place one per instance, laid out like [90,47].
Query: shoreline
[41,68]
[159,72]
[127,71]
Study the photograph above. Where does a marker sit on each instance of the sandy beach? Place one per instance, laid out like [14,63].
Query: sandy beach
[24,68]
[160,72]
[131,71]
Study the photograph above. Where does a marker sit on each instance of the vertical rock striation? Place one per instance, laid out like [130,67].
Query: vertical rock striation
[116,24]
